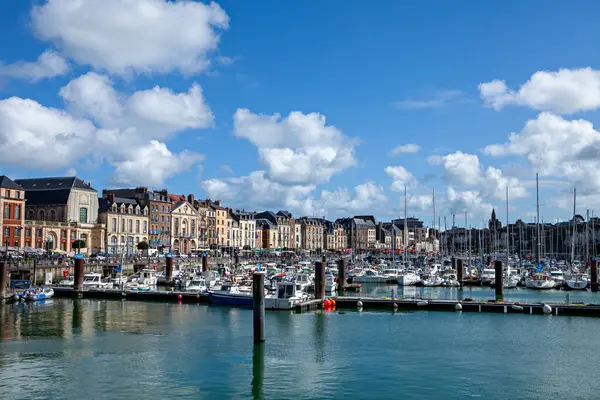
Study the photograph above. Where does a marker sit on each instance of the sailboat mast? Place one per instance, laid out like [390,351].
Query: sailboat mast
[507,229]
[405,234]
[433,232]
[537,220]
[573,232]
[587,239]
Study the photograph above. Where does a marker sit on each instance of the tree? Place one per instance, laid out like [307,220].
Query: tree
[246,247]
[143,246]
[78,244]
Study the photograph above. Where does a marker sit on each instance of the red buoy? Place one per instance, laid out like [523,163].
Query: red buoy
[197,297]
[179,297]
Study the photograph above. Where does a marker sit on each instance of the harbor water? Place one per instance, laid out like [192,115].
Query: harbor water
[65,349]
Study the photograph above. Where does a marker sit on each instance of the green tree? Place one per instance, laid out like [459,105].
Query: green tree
[143,246]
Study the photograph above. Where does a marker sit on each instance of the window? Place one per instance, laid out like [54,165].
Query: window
[6,232]
[7,211]
[63,234]
[145,226]
[28,232]
[63,246]
[41,215]
[122,225]
[83,215]
[52,215]
[130,225]
[137,226]
[167,219]
[18,194]
[16,244]
[38,233]
[73,235]
[114,224]
[27,244]
[17,211]
[31,214]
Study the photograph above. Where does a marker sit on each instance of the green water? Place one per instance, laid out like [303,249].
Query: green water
[109,349]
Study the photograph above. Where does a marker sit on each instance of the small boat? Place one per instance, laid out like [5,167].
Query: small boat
[196,285]
[408,278]
[69,281]
[558,277]
[370,275]
[330,283]
[144,281]
[577,282]
[433,281]
[37,294]
[487,276]
[93,280]
[286,297]
[230,295]
[540,281]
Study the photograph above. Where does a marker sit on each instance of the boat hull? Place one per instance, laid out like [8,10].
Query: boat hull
[576,285]
[540,285]
[407,280]
[239,300]
[40,296]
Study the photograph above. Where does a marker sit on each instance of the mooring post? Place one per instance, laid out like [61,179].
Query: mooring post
[342,273]
[499,280]
[258,296]
[204,263]
[258,371]
[594,275]
[3,280]
[237,257]
[169,268]
[324,259]
[458,264]
[78,286]
[34,271]
[319,280]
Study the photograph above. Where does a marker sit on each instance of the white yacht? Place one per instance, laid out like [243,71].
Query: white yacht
[330,283]
[69,281]
[143,281]
[93,280]
[433,281]
[540,281]
[196,284]
[408,278]
[558,277]
[487,276]
[392,274]
[369,275]
[303,281]
[577,282]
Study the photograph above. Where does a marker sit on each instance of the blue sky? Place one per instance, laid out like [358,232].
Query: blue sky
[360,79]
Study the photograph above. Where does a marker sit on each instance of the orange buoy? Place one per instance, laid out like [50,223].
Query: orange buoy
[326,303]
[332,301]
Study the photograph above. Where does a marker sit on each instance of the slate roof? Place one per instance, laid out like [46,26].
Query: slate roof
[7,183]
[47,197]
[264,223]
[53,183]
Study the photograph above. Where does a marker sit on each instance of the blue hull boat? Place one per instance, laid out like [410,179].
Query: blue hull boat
[231,299]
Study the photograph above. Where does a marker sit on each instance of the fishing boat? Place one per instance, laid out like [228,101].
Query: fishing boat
[540,281]
[230,295]
[286,297]
[34,294]
[144,281]
[196,284]
[577,282]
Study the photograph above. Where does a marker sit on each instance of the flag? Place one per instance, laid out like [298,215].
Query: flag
[118,268]
[539,268]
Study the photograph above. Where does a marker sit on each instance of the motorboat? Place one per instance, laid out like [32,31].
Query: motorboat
[577,282]
[304,281]
[408,278]
[68,282]
[143,281]
[433,281]
[285,298]
[558,277]
[540,281]
[450,279]
[391,275]
[230,295]
[212,278]
[369,275]
[487,276]
[34,294]
[118,280]
[196,284]
[93,280]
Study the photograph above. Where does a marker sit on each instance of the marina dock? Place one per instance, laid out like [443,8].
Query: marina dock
[355,303]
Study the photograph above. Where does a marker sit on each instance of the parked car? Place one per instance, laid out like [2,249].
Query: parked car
[98,257]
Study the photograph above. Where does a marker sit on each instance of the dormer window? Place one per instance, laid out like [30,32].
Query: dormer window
[123,208]
[114,208]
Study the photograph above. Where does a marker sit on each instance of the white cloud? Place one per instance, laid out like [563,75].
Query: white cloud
[565,91]
[367,197]
[406,148]
[154,113]
[34,136]
[400,175]
[124,36]
[226,168]
[71,172]
[297,149]
[469,201]
[48,65]
[442,98]
[465,170]
[153,164]
[558,148]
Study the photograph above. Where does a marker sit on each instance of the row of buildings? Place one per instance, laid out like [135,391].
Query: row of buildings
[53,213]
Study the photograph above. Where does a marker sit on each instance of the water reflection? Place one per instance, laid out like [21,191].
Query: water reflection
[258,371]
[320,337]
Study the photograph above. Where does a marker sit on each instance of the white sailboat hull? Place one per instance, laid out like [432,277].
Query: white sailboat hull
[540,284]
[408,280]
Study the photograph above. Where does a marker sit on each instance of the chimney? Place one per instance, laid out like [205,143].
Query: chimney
[111,197]
[218,203]
[191,199]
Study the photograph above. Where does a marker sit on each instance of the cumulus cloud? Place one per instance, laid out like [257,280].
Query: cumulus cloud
[298,149]
[400,175]
[467,201]
[125,36]
[48,65]
[406,148]
[153,164]
[367,197]
[34,136]
[565,91]
[154,113]
[465,170]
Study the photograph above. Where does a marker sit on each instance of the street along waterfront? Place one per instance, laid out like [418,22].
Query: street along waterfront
[140,349]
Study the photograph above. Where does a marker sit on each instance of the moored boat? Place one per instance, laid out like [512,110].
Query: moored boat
[230,295]
[577,282]
[540,281]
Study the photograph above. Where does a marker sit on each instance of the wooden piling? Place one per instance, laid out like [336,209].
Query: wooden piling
[3,280]
[237,257]
[205,263]
[458,265]
[342,273]
[78,286]
[169,268]
[319,280]
[594,275]
[258,296]
[499,280]
[258,371]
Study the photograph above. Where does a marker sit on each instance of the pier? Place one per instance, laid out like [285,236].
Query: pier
[352,303]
